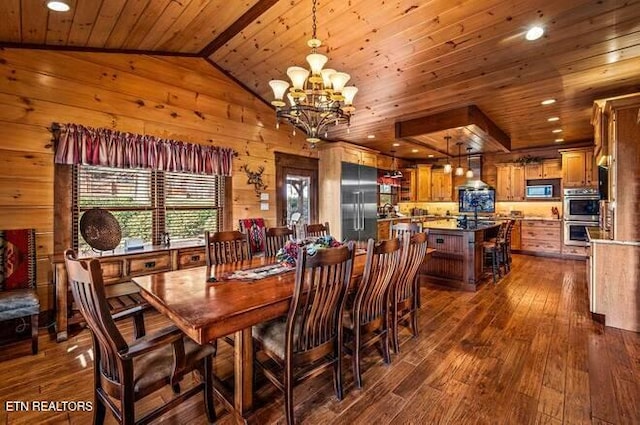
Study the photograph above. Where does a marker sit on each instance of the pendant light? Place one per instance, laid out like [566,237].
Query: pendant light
[395,173]
[447,166]
[459,170]
[469,170]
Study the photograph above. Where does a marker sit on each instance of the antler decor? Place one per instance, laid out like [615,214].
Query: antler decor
[255,178]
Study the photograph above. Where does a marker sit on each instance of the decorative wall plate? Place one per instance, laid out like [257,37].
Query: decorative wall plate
[100,229]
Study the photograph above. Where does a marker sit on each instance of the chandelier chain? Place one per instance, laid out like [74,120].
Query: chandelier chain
[313,15]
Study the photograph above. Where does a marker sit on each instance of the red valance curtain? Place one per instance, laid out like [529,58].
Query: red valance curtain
[77,144]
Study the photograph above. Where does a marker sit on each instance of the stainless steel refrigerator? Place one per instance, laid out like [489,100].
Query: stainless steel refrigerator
[359,202]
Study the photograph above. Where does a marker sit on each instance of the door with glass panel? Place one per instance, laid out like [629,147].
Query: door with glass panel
[297,195]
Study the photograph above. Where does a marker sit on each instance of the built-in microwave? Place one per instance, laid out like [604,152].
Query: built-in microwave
[539,191]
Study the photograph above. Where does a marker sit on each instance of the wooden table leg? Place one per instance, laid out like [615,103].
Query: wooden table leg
[61,286]
[243,368]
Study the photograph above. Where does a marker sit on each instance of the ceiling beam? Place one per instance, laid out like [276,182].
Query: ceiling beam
[454,118]
[241,23]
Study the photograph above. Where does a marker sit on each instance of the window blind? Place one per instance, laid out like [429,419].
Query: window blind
[149,203]
[127,194]
[193,204]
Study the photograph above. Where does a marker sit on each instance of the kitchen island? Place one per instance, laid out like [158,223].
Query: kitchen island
[457,261]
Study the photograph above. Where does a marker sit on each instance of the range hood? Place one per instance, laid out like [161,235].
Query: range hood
[472,184]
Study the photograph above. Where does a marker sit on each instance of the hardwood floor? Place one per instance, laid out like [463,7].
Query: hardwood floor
[522,352]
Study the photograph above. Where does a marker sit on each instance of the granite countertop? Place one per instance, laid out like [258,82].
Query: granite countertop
[430,217]
[453,225]
[414,217]
[597,235]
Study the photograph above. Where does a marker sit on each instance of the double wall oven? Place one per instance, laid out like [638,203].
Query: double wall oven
[581,210]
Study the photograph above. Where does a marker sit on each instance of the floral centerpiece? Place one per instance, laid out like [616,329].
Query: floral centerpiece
[288,254]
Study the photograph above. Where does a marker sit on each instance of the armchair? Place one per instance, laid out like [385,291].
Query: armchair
[129,372]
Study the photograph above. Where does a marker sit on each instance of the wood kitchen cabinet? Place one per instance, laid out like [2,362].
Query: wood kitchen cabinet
[510,182]
[552,169]
[408,185]
[578,168]
[360,157]
[547,169]
[533,171]
[541,236]
[423,180]
[441,185]
[516,235]
[384,230]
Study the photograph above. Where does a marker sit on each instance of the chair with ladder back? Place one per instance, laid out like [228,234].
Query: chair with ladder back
[131,372]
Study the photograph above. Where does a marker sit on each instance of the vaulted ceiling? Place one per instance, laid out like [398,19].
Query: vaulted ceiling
[409,59]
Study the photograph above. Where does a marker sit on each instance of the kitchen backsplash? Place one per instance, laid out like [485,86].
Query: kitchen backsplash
[531,209]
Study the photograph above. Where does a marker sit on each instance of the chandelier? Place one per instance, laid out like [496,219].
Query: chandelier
[317,98]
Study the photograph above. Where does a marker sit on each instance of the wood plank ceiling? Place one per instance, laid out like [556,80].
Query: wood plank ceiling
[408,58]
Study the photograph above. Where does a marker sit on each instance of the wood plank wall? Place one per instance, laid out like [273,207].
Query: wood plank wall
[180,98]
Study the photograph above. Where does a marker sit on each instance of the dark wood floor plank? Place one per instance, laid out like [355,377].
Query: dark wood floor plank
[524,351]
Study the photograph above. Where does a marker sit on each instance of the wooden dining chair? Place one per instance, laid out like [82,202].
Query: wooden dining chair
[405,290]
[399,229]
[365,320]
[316,230]
[130,372]
[226,247]
[275,238]
[310,339]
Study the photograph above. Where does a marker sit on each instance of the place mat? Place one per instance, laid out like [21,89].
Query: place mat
[258,272]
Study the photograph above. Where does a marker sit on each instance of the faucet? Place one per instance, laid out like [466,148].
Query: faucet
[387,208]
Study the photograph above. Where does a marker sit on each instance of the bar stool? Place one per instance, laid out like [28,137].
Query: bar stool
[493,249]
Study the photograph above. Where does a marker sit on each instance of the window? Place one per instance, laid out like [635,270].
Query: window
[192,204]
[149,203]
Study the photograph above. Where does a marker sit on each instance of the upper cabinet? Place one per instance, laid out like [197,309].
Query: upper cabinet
[552,169]
[433,184]
[423,182]
[441,185]
[510,182]
[408,185]
[359,156]
[547,169]
[578,168]
[533,171]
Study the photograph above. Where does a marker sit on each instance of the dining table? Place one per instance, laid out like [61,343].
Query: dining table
[208,303]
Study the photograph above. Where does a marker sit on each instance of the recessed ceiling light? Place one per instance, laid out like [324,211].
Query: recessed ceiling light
[534,33]
[430,155]
[548,102]
[58,6]
[396,144]
[414,150]
[557,130]
[559,140]
[552,119]
[371,136]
